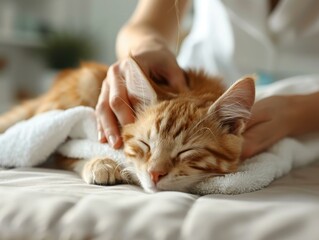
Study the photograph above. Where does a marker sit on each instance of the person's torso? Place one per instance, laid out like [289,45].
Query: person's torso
[233,38]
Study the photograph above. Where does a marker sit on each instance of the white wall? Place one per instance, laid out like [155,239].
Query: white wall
[100,19]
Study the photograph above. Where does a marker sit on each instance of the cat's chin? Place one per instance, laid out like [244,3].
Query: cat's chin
[165,184]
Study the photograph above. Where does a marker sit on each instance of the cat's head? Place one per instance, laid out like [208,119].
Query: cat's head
[178,142]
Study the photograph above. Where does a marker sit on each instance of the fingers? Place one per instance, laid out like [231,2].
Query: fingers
[259,138]
[101,135]
[113,108]
[163,64]
[177,80]
[106,120]
[259,134]
[257,116]
[119,101]
[175,76]
[253,142]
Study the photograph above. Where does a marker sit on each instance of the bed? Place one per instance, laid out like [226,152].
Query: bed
[45,203]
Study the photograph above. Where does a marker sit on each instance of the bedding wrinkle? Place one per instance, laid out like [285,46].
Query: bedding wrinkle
[286,210]
[184,234]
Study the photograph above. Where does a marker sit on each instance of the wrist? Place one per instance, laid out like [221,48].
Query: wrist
[136,39]
[296,112]
[149,43]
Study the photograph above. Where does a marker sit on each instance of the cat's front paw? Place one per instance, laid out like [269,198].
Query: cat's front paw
[102,171]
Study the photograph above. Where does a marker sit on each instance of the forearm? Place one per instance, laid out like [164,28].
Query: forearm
[154,22]
[306,114]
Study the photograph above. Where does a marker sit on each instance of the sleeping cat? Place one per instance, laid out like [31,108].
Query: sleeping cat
[177,140]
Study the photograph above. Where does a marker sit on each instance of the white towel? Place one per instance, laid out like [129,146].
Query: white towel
[73,133]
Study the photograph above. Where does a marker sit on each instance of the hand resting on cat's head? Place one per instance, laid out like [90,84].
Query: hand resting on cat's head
[114,106]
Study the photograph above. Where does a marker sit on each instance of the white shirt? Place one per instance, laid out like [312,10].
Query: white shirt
[237,37]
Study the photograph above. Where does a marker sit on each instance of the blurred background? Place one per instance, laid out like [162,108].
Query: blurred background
[39,37]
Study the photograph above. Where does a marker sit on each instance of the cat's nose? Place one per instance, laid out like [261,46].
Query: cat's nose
[157,175]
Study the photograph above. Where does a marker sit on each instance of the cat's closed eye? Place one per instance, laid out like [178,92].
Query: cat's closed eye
[184,153]
[144,146]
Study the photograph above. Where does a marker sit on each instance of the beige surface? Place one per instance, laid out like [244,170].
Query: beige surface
[40,203]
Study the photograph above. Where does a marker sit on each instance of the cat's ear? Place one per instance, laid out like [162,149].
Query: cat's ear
[233,107]
[138,85]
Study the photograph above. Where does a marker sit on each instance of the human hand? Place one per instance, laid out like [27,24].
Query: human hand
[114,107]
[272,119]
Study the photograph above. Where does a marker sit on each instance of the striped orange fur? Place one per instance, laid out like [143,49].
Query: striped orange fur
[177,140]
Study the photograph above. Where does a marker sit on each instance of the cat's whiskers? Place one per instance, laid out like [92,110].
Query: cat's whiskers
[205,128]
[127,174]
[199,122]
[129,169]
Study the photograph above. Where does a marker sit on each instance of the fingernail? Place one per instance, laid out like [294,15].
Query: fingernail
[100,136]
[112,140]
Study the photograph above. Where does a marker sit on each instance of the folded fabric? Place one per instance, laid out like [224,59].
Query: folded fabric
[73,133]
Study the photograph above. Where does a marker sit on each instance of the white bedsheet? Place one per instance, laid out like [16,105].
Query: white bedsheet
[38,203]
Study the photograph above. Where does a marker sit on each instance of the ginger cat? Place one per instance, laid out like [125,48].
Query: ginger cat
[177,140]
